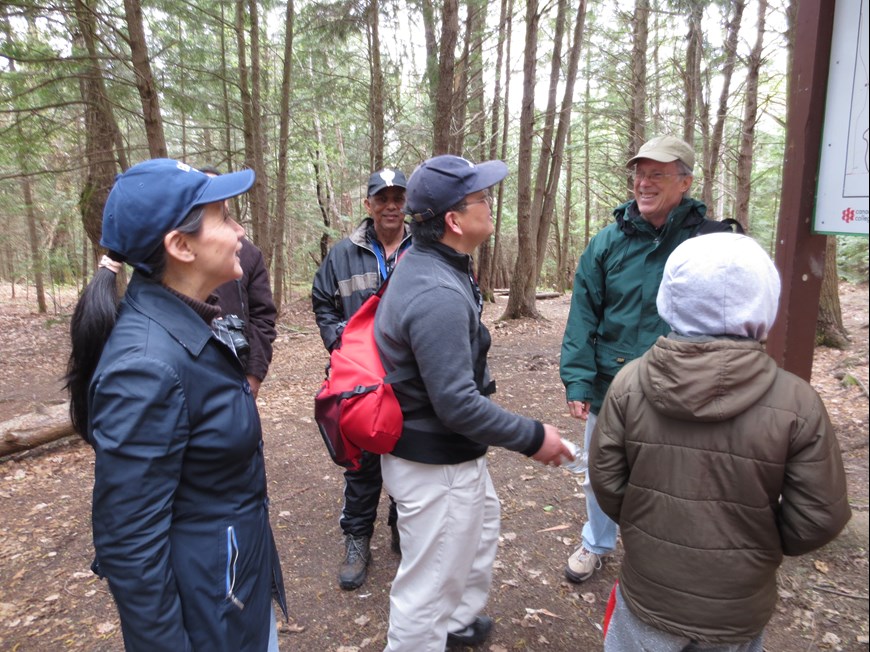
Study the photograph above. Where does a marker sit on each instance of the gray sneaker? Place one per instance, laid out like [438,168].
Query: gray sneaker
[582,565]
[353,570]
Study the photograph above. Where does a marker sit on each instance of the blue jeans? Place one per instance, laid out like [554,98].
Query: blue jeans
[599,532]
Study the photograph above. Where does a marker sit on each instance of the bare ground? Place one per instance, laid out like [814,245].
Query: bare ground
[49,600]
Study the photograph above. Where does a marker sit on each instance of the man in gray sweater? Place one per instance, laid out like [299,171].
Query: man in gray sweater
[429,321]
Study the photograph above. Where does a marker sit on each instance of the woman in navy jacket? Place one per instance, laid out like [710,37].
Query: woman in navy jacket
[180,511]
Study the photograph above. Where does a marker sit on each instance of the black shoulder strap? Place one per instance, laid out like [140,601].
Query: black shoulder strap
[728,225]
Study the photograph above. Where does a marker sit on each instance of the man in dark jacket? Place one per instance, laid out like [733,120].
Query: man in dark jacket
[613,316]
[713,461]
[250,299]
[429,321]
[353,271]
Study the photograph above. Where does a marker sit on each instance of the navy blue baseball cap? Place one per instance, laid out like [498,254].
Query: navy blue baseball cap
[443,181]
[153,197]
[386,178]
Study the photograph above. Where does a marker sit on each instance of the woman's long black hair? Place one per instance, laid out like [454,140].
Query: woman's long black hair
[94,318]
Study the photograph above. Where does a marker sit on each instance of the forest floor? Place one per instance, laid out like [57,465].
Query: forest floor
[50,600]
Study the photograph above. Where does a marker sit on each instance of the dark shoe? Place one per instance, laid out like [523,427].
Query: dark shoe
[475,634]
[354,568]
[395,539]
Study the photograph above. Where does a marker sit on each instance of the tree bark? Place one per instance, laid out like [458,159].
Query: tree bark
[376,89]
[555,164]
[101,131]
[249,87]
[637,84]
[444,93]
[33,239]
[750,115]
[489,249]
[711,163]
[829,325]
[283,148]
[145,80]
[518,301]
[692,74]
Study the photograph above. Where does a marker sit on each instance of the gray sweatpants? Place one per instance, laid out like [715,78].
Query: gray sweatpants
[627,633]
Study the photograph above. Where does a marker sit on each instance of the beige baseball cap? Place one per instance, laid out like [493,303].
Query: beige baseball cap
[665,149]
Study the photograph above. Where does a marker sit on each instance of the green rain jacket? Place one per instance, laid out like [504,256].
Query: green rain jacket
[613,317]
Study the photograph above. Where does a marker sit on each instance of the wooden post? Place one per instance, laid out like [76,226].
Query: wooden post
[800,255]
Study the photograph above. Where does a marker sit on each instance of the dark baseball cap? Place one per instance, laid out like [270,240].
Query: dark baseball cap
[386,178]
[443,181]
[153,197]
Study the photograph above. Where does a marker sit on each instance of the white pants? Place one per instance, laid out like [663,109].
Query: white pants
[449,519]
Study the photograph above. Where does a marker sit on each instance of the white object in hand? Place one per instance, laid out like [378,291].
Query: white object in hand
[580,462]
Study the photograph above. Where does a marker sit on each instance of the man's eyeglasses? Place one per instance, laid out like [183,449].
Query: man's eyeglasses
[487,199]
[654,177]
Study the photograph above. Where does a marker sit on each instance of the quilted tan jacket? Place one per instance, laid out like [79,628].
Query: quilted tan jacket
[715,463]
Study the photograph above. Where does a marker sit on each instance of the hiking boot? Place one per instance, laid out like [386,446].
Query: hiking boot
[582,565]
[395,539]
[353,570]
[475,634]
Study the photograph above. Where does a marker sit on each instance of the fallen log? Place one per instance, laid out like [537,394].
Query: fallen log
[503,292]
[30,430]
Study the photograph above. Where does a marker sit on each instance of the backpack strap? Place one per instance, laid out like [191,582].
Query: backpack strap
[728,225]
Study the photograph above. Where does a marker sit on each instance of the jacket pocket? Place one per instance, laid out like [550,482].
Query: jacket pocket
[610,359]
[232,561]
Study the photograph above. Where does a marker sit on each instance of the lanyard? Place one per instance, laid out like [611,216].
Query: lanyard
[382,264]
[383,268]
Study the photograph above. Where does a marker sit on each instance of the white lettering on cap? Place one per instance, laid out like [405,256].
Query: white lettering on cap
[387,176]
[183,166]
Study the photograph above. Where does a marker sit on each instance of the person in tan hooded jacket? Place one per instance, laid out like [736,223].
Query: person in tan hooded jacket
[714,462]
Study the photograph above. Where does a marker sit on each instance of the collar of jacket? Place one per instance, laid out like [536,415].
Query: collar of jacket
[158,304]
[364,234]
[459,260]
[687,214]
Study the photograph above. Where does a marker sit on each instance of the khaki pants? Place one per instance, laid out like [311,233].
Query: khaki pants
[449,519]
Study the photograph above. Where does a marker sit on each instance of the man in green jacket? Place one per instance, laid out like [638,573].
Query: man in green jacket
[613,317]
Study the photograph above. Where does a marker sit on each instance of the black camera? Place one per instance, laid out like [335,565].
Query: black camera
[231,331]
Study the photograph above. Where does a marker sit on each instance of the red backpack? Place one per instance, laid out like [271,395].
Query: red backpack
[356,408]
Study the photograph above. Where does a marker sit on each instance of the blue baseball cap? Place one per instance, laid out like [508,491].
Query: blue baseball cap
[386,178]
[443,181]
[153,197]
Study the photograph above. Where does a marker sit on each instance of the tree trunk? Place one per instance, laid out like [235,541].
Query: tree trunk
[551,190]
[500,275]
[145,80]
[692,74]
[829,326]
[444,93]
[637,85]
[711,163]
[101,132]
[283,146]
[519,303]
[325,194]
[487,252]
[376,89]
[249,88]
[428,11]
[33,238]
[750,115]
[563,268]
